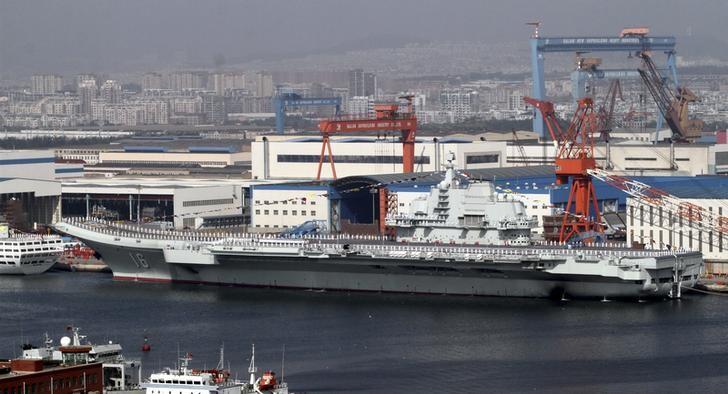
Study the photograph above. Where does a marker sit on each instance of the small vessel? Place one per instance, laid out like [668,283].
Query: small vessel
[27,254]
[78,257]
[266,384]
[186,380]
[120,374]
[146,346]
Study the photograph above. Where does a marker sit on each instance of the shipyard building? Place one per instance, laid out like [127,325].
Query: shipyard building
[30,192]
[297,157]
[185,203]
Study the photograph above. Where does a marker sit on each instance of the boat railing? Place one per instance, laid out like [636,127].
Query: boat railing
[367,244]
[502,252]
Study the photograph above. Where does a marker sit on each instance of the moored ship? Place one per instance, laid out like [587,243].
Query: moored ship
[77,257]
[27,254]
[462,239]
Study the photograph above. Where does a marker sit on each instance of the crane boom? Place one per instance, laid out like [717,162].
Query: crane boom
[691,215]
[606,110]
[672,106]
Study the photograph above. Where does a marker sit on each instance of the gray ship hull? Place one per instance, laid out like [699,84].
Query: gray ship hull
[400,277]
[335,264]
[369,275]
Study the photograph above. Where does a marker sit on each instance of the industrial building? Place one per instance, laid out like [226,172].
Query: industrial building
[203,156]
[187,203]
[628,157]
[279,206]
[30,195]
[656,227]
[297,157]
[27,376]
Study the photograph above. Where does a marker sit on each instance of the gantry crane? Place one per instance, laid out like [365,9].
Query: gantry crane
[673,105]
[574,157]
[387,117]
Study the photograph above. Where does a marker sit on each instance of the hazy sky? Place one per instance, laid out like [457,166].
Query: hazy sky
[69,36]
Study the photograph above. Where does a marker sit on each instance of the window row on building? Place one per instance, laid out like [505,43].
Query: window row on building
[201,203]
[354,159]
[481,159]
[283,212]
[167,162]
[285,202]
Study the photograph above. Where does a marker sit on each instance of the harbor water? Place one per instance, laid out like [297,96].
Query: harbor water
[348,342]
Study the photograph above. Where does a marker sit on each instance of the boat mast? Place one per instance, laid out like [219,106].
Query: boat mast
[283,362]
[221,362]
[252,369]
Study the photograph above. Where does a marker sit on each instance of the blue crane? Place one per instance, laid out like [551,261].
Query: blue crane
[625,43]
[285,100]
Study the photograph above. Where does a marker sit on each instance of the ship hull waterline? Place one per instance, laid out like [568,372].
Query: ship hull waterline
[362,274]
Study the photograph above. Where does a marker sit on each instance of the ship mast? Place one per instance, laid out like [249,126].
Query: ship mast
[221,363]
[252,369]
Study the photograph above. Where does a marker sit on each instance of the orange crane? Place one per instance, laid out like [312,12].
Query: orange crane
[387,117]
[574,158]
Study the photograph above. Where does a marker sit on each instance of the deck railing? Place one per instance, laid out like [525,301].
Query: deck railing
[369,244]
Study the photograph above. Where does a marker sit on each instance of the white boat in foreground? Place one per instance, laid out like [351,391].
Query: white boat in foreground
[184,379]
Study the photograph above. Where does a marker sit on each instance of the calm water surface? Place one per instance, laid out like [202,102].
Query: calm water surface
[339,342]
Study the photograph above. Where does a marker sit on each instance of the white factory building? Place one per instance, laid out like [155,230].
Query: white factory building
[30,195]
[628,157]
[148,155]
[657,227]
[297,157]
[276,207]
[187,203]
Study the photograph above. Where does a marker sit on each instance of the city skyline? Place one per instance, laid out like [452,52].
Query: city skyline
[71,37]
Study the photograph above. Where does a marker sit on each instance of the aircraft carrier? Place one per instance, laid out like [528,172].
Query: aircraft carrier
[462,239]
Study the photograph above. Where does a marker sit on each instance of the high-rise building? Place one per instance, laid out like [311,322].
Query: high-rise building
[151,81]
[362,84]
[356,83]
[370,85]
[361,106]
[60,105]
[45,84]
[515,101]
[85,77]
[110,91]
[224,83]
[186,105]
[462,103]
[214,109]
[182,80]
[264,86]
[156,111]
[87,92]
